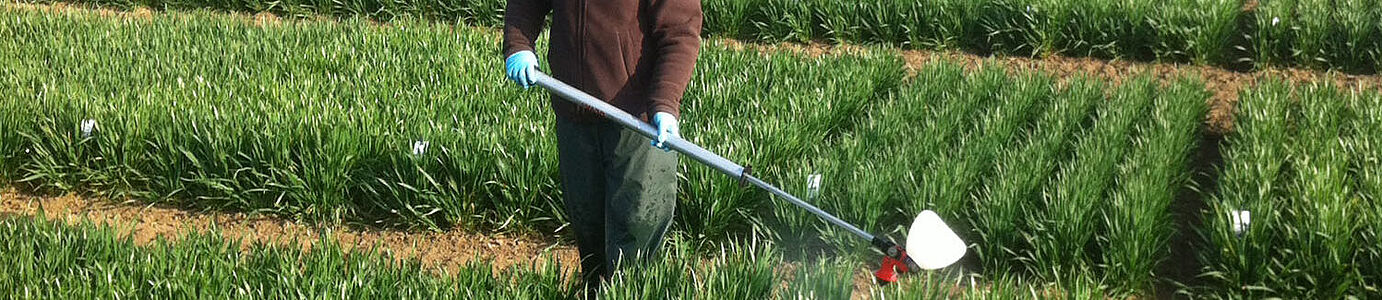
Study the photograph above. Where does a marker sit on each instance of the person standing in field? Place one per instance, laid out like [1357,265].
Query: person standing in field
[637,55]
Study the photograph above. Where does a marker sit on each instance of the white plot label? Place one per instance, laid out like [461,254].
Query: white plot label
[813,186]
[1241,219]
[420,147]
[88,127]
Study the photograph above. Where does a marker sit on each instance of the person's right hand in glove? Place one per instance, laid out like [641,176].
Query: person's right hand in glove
[666,129]
[520,67]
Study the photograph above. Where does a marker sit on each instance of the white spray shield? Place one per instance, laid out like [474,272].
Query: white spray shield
[931,243]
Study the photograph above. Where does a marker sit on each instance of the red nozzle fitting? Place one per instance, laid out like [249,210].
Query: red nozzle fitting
[893,264]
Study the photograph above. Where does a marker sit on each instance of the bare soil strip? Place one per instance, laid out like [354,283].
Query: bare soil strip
[447,251]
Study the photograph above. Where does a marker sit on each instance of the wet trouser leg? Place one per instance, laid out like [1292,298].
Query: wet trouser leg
[619,193]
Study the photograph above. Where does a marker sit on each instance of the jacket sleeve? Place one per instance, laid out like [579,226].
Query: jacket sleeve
[523,22]
[676,34]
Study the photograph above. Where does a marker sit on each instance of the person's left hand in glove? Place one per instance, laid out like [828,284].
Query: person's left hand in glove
[666,129]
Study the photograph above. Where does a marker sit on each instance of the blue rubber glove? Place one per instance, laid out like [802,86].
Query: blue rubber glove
[666,129]
[520,67]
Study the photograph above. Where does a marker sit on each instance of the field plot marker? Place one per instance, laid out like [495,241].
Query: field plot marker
[813,186]
[420,147]
[1241,219]
[88,127]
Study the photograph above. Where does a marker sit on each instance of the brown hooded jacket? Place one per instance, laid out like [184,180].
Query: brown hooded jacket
[635,54]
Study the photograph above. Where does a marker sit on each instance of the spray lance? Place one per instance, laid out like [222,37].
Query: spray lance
[931,244]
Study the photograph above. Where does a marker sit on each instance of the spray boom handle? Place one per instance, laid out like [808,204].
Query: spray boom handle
[629,121]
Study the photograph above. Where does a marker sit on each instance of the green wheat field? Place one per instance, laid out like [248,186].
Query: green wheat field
[1064,188]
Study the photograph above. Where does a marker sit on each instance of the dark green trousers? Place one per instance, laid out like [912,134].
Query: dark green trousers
[619,194]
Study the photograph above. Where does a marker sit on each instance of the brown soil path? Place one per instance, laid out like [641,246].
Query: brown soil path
[445,250]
